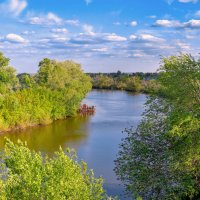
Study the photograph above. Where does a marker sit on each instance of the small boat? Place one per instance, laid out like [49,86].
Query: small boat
[86,110]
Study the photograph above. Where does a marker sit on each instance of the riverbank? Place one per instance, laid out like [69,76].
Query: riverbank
[130,83]
[54,92]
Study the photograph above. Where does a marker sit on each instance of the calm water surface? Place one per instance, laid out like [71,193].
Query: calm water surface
[96,138]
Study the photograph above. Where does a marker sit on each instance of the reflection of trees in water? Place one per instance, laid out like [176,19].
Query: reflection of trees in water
[65,133]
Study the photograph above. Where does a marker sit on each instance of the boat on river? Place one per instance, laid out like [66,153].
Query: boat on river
[86,110]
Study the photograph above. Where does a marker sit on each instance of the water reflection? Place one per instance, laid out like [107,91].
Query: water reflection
[65,133]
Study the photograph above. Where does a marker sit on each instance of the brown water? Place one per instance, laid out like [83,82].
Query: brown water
[96,138]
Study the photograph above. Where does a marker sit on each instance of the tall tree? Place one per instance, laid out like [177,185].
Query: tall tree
[161,158]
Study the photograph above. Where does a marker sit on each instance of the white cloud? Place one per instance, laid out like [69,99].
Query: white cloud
[183,46]
[28,32]
[104,49]
[58,39]
[188,1]
[15,38]
[49,19]
[88,29]
[132,37]
[167,23]
[72,22]
[59,30]
[133,23]
[146,38]
[54,18]
[193,24]
[114,38]
[14,7]
[151,38]
[88,2]
[137,55]
[96,38]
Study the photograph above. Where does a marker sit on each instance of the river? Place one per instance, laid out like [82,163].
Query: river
[95,138]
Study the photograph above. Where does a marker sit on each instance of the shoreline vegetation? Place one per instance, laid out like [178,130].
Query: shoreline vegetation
[54,92]
[132,82]
[160,159]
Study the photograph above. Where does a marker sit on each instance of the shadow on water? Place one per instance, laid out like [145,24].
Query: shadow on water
[48,138]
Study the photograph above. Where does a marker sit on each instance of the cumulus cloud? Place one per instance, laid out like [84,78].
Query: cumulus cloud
[97,38]
[167,23]
[15,38]
[59,30]
[193,24]
[49,19]
[146,38]
[114,38]
[88,29]
[103,49]
[14,7]
[28,32]
[133,23]
[72,22]
[133,37]
[183,46]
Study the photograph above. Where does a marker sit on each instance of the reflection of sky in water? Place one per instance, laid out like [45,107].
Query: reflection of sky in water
[95,138]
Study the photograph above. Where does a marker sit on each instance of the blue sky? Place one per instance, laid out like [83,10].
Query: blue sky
[102,35]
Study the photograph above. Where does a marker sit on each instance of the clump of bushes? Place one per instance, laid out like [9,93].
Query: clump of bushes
[54,92]
[26,174]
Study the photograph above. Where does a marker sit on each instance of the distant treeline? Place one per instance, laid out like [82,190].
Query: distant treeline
[54,92]
[135,82]
[118,74]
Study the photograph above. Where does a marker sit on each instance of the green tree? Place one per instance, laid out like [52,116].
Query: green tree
[8,79]
[3,60]
[25,80]
[180,80]
[55,92]
[103,82]
[27,175]
[133,84]
[161,158]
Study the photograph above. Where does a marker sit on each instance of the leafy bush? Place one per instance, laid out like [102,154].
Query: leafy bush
[55,92]
[27,175]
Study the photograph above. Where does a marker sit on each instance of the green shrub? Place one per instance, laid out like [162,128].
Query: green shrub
[27,175]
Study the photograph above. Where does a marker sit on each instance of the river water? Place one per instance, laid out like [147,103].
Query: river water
[95,138]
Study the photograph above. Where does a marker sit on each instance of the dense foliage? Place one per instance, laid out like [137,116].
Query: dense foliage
[54,92]
[136,82]
[161,158]
[27,175]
